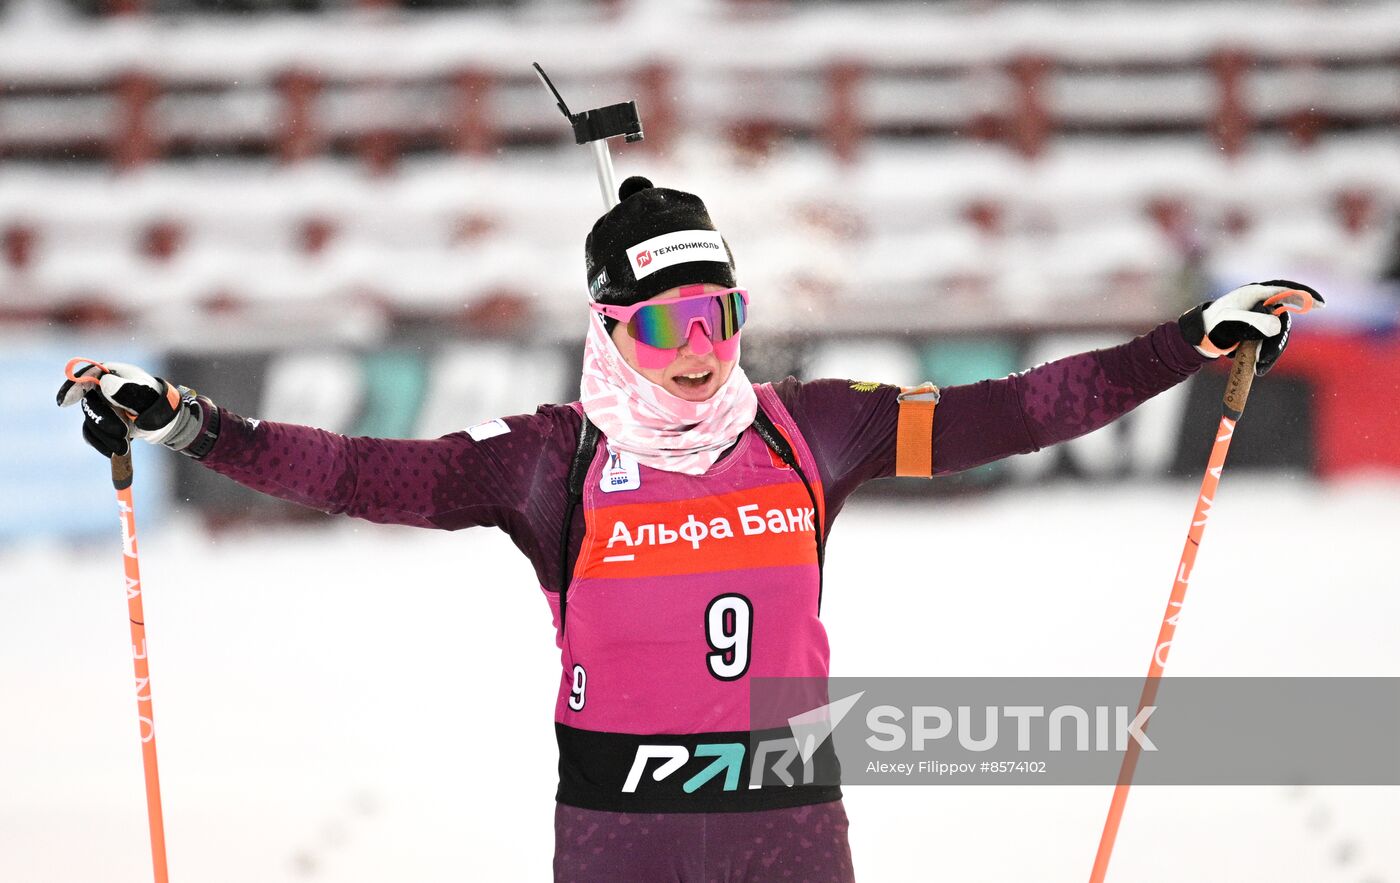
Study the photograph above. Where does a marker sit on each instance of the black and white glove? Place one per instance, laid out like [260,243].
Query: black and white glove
[127,402]
[1258,311]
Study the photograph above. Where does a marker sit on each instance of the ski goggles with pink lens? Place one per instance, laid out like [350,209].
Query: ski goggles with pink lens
[666,324]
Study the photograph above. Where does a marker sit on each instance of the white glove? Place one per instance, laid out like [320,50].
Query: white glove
[1258,311]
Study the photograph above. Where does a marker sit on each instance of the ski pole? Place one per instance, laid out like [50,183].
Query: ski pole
[121,481]
[1232,408]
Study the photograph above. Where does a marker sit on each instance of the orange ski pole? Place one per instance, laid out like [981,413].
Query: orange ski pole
[121,480]
[1232,408]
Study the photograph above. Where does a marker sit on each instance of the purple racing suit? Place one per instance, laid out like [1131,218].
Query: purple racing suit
[681,588]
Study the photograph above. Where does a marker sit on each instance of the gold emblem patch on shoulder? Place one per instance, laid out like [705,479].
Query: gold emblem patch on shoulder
[864,385]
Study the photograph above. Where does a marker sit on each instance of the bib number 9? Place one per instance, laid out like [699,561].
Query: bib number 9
[729,631]
[580,685]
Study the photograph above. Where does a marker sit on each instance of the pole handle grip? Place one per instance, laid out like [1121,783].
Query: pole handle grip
[1241,379]
[121,470]
[1291,300]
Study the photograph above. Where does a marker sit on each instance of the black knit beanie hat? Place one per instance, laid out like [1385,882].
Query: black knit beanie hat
[653,240]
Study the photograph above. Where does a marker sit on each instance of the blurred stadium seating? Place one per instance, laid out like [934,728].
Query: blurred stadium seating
[377,164]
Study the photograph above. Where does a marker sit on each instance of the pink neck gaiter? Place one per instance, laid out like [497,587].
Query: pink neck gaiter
[659,429]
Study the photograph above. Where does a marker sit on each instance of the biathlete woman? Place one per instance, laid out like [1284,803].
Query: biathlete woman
[676,517]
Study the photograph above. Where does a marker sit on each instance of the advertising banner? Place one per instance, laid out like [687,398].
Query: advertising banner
[1328,409]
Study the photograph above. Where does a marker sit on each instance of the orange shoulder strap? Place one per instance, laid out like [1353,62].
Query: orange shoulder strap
[913,444]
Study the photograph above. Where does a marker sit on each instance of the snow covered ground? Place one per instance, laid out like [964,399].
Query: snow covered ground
[360,703]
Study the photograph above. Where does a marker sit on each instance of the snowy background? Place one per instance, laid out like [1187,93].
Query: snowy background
[367,215]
